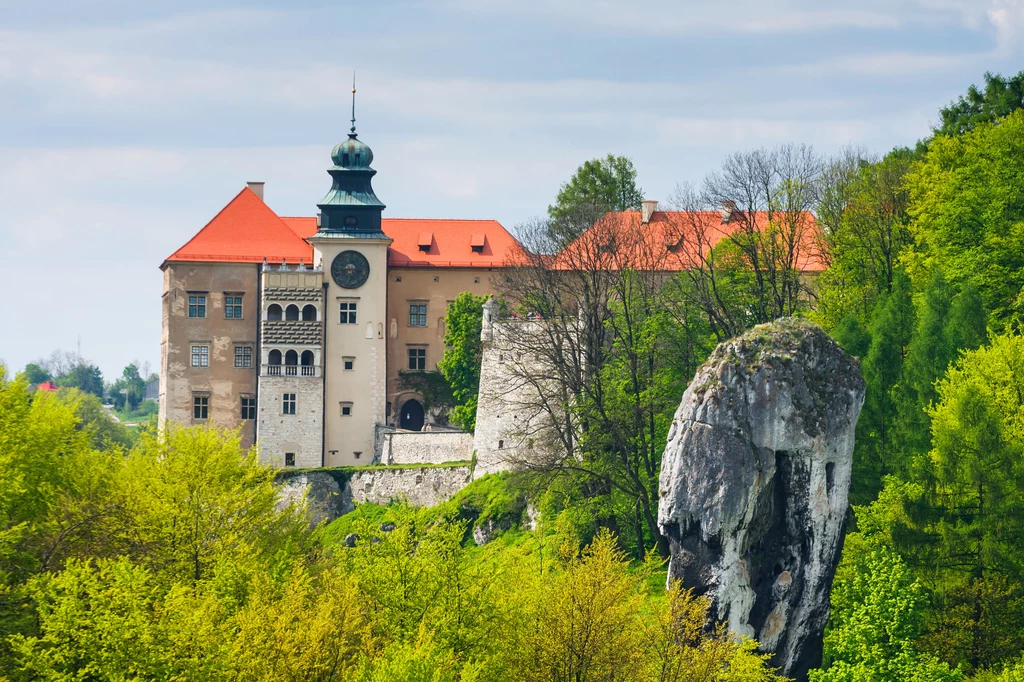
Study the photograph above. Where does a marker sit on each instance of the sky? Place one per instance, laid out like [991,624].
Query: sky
[125,125]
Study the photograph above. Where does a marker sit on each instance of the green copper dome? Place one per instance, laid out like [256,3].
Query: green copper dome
[353,153]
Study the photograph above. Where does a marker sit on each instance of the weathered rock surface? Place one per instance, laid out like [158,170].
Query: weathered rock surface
[754,484]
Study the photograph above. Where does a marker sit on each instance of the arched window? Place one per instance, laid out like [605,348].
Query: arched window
[307,358]
[291,312]
[274,313]
[309,313]
[291,358]
[275,357]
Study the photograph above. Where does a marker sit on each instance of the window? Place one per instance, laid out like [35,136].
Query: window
[417,314]
[501,444]
[243,356]
[274,312]
[344,158]
[349,362]
[348,312]
[417,358]
[248,407]
[478,248]
[200,356]
[200,406]
[233,307]
[346,409]
[350,220]
[289,459]
[288,403]
[309,313]
[196,305]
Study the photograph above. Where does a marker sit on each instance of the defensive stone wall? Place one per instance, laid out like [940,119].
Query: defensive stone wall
[426,447]
[511,425]
[331,493]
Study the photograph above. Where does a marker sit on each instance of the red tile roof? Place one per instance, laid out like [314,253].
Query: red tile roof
[247,231]
[47,386]
[671,241]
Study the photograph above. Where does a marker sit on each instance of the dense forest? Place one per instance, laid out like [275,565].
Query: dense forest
[167,556]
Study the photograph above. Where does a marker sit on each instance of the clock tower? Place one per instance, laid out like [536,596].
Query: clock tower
[353,252]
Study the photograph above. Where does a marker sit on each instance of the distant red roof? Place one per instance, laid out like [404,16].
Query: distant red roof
[247,231]
[671,241]
[47,386]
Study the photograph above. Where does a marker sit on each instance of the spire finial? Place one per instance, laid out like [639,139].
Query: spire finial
[353,131]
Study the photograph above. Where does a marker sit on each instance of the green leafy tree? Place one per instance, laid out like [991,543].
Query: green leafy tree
[972,512]
[597,186]
[463,351]
[968,215]
[875,620]
[129,390]
[875,453]
[36,374]
[85,377]
[865,227]
[1000,97]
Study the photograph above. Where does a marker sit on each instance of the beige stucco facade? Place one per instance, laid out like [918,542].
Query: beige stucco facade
[349,439]
[435,288]
[213,375]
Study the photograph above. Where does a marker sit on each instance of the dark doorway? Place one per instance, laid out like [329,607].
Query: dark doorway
[412,415]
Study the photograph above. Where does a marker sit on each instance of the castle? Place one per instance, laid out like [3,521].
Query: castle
[297,330]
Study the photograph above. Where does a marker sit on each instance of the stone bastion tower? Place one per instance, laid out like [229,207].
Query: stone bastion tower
[352,251]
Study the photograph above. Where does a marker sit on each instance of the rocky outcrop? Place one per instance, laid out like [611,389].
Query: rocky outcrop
[754,484]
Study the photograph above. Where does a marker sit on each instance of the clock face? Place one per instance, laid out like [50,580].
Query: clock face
[350,269]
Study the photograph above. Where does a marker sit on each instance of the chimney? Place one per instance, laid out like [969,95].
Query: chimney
[257,188]
[728,208]
[649,207]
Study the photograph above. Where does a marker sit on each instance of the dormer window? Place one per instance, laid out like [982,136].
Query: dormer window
[478,243]
[425,240]
[344,159]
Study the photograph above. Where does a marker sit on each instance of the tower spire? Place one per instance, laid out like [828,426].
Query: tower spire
[353,130]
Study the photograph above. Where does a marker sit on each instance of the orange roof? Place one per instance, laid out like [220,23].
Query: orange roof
[247,231]
[47,386]
[671,241]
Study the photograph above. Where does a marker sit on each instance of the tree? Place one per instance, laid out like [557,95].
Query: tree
[751,272]
[597,186]
[875,620]
[1000,97]
[598,356]
[129,390]
[87,378]
[968,215]
[972,512]
[875,451]
[864,218]
[463,351]
[36,374]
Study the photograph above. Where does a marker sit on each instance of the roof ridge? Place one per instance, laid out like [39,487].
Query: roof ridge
[209,222]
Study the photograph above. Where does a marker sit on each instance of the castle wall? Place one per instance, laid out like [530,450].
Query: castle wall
[327,499]
[301,433]
[512,428]
[426,447]
[220,382]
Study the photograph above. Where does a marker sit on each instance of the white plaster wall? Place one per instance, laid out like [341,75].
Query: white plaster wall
[426,447]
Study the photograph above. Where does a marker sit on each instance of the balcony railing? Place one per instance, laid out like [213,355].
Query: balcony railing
[291,370]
